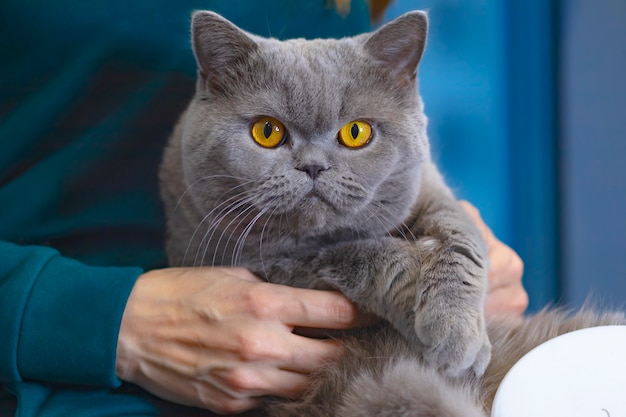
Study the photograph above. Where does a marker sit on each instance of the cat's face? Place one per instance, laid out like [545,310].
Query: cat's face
[319,136]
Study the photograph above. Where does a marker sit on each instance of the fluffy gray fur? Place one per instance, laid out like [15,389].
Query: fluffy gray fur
[378,222]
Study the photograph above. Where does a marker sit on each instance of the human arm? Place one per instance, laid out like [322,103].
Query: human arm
[59,318]
[220,338]
[505,293]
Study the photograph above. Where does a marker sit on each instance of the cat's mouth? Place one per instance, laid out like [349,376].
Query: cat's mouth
[314,208]
[313,193]
[314,196]
[314,214]
[313,200]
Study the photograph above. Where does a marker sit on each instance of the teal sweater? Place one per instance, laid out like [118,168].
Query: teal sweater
[89,92]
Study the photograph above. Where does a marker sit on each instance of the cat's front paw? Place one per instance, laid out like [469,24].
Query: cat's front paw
[453,341]
[449,318]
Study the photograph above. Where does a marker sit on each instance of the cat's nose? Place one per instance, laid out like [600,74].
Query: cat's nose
[312,170]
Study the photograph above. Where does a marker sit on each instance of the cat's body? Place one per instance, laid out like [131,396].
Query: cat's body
[308,163]
[381,375]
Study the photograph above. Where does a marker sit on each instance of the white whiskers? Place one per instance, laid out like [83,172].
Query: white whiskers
[225,229]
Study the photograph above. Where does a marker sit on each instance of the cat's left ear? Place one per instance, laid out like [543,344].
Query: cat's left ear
[399,45]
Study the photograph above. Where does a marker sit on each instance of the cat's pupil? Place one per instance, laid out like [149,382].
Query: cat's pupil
[267,130]
[354,131]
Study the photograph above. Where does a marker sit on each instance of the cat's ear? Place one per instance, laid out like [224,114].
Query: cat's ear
[219,46]
[399,45]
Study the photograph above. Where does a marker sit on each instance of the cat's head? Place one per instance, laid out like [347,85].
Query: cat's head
[319,135]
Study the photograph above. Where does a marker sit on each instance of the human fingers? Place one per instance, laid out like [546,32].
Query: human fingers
[506,294]
[265,359]
[225,370]
[508,301]
[506,267]
[304,307]
[260,343]
[306,355]
[297,307]
[255,382]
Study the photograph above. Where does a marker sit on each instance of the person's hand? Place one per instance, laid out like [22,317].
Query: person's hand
[220,338]
[506,295]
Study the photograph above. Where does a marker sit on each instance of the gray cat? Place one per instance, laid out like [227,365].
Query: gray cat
[308,163]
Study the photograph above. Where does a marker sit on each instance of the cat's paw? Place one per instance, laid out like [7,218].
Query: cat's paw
[449,318]
[453,341]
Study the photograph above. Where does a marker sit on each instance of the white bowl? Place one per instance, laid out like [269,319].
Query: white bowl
[578,374]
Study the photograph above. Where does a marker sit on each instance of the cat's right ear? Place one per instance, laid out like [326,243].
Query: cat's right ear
[219,46]
[399,45]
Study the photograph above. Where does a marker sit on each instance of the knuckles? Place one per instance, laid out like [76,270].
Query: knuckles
[240,380]
[257,302]
[252,346]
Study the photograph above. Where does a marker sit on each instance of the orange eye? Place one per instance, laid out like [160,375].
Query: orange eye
[355,134]
[268,132]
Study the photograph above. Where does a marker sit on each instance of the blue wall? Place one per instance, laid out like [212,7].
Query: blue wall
[593,150]
[527,107]
[488,80]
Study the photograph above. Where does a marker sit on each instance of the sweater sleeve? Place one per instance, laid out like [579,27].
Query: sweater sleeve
[59,318]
